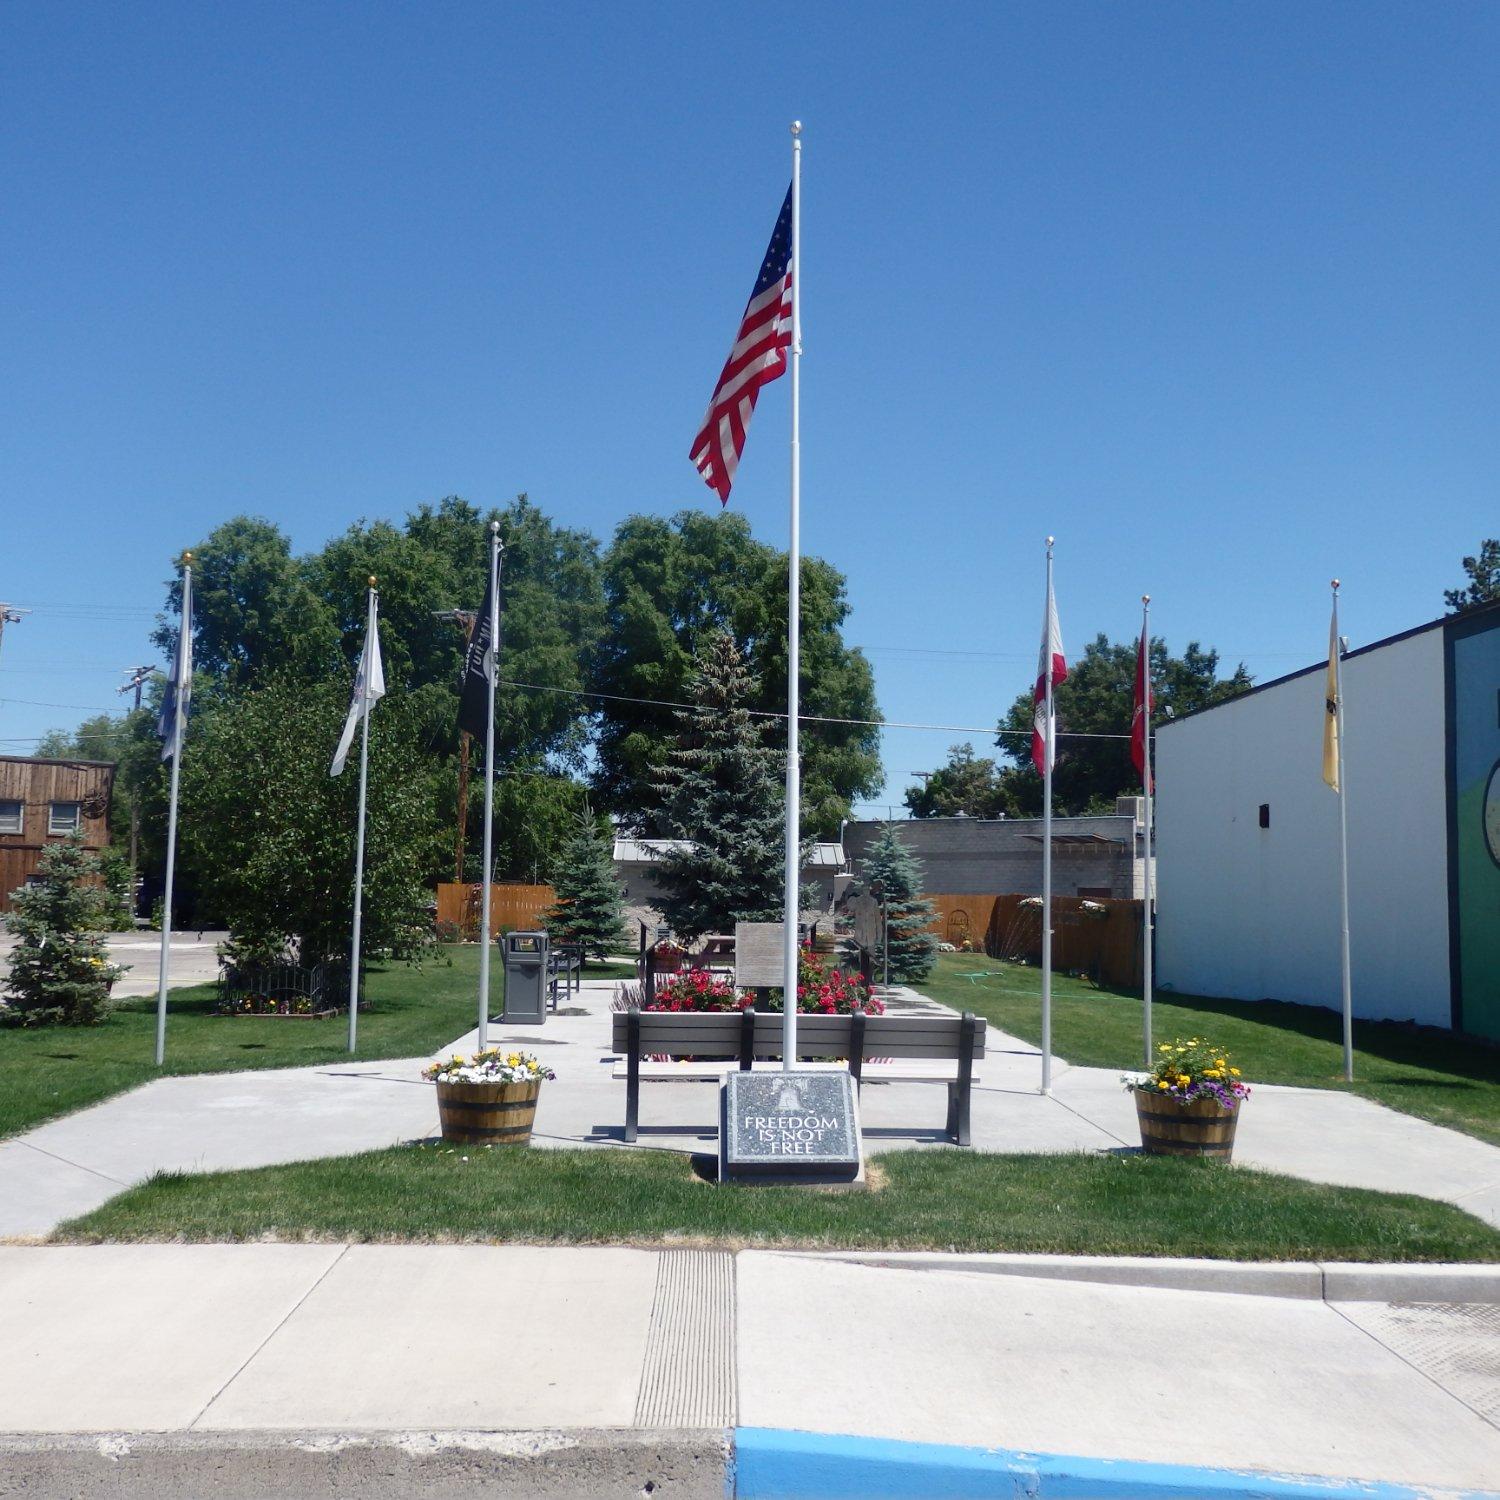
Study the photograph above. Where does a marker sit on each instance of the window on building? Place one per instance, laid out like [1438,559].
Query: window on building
[1265,815]
[11,811]
[65,817]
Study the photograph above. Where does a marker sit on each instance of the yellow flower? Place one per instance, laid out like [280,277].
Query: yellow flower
[1234,1072]
[1161,1085]
[1186,1078]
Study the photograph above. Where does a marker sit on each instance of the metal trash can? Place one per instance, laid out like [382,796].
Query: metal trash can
[526,956]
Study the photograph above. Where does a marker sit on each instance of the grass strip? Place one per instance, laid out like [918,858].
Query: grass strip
[932,1200]
[1421,1070]
[412,1011]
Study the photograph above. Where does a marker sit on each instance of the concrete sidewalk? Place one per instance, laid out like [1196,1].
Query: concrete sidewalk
[209,1122]
[438,1344]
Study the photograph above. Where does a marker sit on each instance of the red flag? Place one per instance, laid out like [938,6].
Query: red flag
[1052,663]
[1140,723]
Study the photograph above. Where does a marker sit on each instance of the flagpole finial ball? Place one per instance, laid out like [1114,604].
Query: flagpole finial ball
[796,127]
[494,527]
[372,580]
[1335,583]
[1051,540]
[1145,598]
[187,557]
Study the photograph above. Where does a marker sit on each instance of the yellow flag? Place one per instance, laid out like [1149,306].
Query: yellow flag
[1331,707]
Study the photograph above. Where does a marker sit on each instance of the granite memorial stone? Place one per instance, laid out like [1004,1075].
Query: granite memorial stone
[802,1125]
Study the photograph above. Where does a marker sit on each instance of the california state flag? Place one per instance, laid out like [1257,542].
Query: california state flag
[1051,665]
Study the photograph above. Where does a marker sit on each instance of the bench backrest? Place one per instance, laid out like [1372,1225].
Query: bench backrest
[714,1034]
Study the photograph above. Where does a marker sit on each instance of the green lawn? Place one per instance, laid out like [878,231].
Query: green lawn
[1421,1070]
[412,1011]
[939,1200]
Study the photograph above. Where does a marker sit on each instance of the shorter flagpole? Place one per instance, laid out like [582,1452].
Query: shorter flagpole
[493,665]
[1148,914]
[371,607]
[178,715]
[1337,650]
[1047,842]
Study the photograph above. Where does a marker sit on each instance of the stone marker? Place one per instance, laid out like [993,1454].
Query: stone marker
[789,1125]
[759,959]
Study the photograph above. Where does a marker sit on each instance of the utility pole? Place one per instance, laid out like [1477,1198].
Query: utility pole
[139,677]
[464,619]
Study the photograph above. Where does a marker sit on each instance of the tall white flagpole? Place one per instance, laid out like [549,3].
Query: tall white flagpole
[1337,649]
[179,713]
[492,672]
[793,639]
[359,838]
[1147,914]
[1047,760]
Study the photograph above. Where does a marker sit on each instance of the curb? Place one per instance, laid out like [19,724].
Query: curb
[542,1464]
[1326,1281]
[772,1464]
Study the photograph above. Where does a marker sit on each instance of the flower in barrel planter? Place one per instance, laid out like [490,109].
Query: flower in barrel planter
[1187,1105]
[488,1098]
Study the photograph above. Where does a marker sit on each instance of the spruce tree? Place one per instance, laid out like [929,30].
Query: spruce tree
[60,973]
[589,894]
[721,791]
[893,875]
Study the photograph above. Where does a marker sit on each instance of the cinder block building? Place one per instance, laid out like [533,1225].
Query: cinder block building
[636,864]
[1097,857]
[43,801]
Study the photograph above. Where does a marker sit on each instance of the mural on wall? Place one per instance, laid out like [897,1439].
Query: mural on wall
[1474,821]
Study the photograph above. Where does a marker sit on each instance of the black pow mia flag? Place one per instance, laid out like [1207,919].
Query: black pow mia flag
[479,666]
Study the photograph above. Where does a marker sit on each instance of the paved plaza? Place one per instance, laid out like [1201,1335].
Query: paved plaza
[209,1122]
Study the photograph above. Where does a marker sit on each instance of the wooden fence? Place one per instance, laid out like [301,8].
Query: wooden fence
[513,904]
[1104,943]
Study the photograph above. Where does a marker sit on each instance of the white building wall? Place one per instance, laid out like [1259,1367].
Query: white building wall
[1252,913]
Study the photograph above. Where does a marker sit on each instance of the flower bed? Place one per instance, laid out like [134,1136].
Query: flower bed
[298,1007]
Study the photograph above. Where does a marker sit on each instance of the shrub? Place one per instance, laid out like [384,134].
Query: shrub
[59,972]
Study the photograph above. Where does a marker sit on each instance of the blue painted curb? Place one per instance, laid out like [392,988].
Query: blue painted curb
[775,1464]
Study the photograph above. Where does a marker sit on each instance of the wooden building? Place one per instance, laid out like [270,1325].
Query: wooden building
[43,801]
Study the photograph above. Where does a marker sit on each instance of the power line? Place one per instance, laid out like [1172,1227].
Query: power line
[771,713]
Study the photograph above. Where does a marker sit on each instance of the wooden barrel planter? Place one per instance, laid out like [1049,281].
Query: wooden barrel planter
[1169,1127]
[487,1114]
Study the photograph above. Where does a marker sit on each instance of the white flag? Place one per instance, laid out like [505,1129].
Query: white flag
[369,684]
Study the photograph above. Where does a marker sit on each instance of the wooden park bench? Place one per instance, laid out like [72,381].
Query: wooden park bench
[892,1049]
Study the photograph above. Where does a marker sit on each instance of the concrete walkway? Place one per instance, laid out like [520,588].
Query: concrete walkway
[448,1344]
[230,1120]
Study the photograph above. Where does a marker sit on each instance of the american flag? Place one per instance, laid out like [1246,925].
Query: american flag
[758,356]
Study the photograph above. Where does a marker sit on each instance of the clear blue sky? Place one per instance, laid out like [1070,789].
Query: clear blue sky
[1209,291]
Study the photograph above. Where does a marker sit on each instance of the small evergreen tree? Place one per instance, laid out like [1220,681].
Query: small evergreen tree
[722,792]
[59,971]
[893,875]
[589,893]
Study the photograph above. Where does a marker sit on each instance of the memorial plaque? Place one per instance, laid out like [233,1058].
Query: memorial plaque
[789,1124]
[759,963]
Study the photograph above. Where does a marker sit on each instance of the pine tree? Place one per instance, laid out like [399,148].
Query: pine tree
[60,973]
[722,792]
[589,894]
[893,874]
